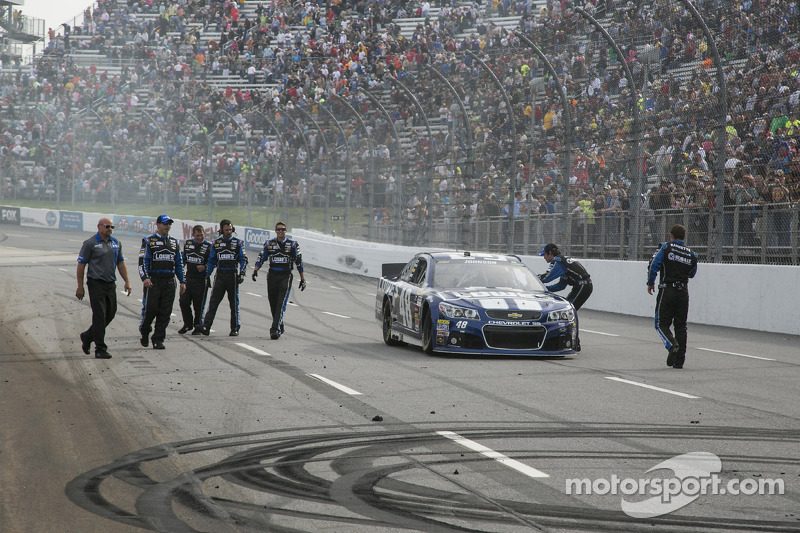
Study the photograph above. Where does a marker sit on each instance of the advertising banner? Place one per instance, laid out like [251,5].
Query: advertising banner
[141,226]
[69,220]
[9,215]
[254,239]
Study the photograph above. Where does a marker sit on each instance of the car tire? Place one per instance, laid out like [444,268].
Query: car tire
[427,332]
[387,325]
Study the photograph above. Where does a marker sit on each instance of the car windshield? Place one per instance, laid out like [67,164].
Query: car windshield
[485,273]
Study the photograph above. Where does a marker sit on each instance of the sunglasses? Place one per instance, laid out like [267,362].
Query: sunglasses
[109,226]
[280,229]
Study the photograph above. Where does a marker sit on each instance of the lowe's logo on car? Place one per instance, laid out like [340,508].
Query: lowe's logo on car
[487,294]
[254,239]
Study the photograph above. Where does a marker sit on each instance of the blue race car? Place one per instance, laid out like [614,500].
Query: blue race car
[473,303]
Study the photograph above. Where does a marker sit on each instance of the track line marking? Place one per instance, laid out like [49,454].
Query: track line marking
[734,353]
[491,454]
[599,333]
[63,269]
[254,294]
[334,314]
[337,288]
[18,235]
[335,385]
[251,348]
[652,387]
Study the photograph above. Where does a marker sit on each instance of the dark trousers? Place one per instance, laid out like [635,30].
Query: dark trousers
[159,299]
[672,308]
[577,297]
[225,283]
[103,299]
[579,294]
[193,298]
[279,286]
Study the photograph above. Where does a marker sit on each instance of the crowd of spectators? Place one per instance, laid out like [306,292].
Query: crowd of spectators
[294,58]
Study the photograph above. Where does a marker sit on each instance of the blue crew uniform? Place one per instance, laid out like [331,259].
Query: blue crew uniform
[194,254]
[674,263]
[568,272]
[228,258]
[160,262]
[281,256]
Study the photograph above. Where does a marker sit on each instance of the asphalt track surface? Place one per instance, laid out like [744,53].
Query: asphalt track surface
[328,429]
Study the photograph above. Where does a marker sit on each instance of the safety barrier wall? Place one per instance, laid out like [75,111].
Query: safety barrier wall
[757,297]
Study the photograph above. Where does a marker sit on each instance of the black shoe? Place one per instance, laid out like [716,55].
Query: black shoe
[143,341]
[198,330]
[86,345]
[673,355]
[274,335]
[233,333]
[158,345]
[283,329]
[205,330]
[677,366]
[102,354]
[184,329]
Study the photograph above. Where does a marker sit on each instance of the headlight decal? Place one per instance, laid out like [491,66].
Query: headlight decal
[454,311]
[567,315]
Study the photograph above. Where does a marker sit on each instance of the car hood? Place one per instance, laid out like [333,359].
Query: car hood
[504,299]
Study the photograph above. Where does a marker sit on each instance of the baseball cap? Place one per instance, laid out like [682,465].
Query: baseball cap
[164,219]
[549,248]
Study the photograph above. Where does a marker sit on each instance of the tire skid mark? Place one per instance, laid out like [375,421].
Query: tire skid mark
[367,472]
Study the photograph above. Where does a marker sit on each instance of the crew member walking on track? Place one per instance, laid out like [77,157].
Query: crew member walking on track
[281,253]
[228,258]
[674,263]
[196,252]
[161,262]
[103,254]
[568,272]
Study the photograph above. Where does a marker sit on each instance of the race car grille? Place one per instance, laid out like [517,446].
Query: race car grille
[505,314]
[514,337]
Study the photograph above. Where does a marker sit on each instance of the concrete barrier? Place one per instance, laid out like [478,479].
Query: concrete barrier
[758,297]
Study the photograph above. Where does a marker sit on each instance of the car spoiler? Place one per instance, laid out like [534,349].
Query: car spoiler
[391,270]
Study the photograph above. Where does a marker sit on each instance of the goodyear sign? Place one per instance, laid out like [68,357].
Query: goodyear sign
[254,238]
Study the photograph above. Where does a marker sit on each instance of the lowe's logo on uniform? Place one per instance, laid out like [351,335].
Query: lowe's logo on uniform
[163,257]
[226,256]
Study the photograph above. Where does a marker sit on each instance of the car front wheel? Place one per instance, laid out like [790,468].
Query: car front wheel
[427,332]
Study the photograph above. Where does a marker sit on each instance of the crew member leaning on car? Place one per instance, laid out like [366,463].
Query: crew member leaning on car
[568,272]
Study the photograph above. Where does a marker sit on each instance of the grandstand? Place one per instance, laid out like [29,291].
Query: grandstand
[298,108]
